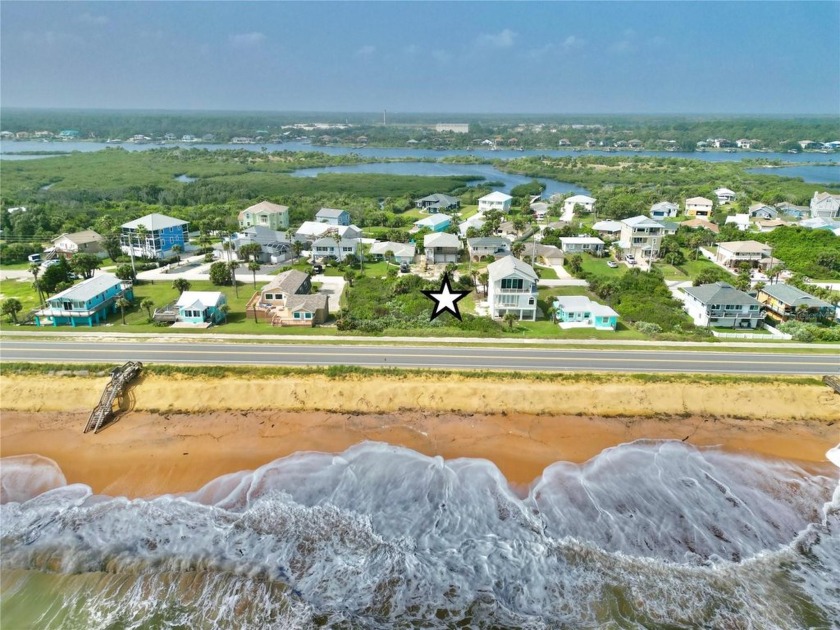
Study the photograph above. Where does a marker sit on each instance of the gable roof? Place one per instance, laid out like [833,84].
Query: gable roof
[433,220]
[795,297]
[580,199]
[200,299]
[724,191]
[721,293]
[265,207]
[330,213]
[154,222]
[508,265]
[441,239]
[701,223]
[441,199]
[287,282]
[399,249]
[488,241]
[583,303]
[308,302]
[699,201]
[745,247]
[664,205]
[641,222]
[607,226]
[80,238]
[90,288]
[496,196]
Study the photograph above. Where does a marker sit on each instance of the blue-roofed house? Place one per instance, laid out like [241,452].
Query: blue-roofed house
[578,311]
[332,216]
[433,222]
[85,304]
[162,234]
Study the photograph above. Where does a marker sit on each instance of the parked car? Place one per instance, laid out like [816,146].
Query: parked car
[317,268]
[612,264]
[34,258]
[405,267]
[631,260]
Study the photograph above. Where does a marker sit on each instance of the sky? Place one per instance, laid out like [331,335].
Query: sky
[470,57]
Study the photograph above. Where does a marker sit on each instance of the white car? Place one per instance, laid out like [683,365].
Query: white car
[631,260]
[612,264]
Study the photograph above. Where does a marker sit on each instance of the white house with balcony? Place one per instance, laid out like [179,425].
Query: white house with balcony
[641,236]
[580,244]
[495,201]
[338,249]
[512,288]
[825,206]
[732,253]
[586,203]
[725,195]
[265,214]
[664,210]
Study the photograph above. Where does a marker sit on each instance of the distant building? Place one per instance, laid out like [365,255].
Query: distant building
[664,210]
[402,252]
[825,206]
[641,236]
[434,222]
[586,202]
[733,253]
[741,221]
[441,248]
[725,195]
[495,201]
[580,244]
[438,202]
[452,127]
[86,242]
[698,207]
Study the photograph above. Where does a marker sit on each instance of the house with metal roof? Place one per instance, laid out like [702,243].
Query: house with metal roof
[401,252]
[721,305]
[784,302]
[438,202]
[85,304]
[733,253]
[585,202]
[580,244]
[288,301]
[154,236]
[512,288]
[698,207]
[664,210]
[434,222]
[724,195]
[441,247]
[825,205]
[84,242]
[495,201]
[333,216]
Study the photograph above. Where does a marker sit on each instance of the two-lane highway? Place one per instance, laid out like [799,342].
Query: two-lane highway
[438,357]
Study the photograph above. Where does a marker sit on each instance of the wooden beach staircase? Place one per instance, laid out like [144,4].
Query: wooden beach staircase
[833,382]
[121,377]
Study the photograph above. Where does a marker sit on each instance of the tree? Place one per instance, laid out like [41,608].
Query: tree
[224,309]
[517,248]
[510,319]
[125,273]
[142,233]
[123,303]
[248,250]
[232,265]
[85,264]
[35,269]
[576,264]
[176,249]
[181,285]
[11,307]
[111,244]
[148,304]
[484,278]
[219,274]
[254,267]
[674,257]
[349,276]
[59,273]
[710,276]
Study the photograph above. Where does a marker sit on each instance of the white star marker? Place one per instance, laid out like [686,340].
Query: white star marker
[446,299]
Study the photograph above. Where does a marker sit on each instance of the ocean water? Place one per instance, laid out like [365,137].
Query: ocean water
[645,535]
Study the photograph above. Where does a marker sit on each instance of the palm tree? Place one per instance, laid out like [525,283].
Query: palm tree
[510,319]
[12,306]
[484,278]
[254,267]
[142,233]
[123,304]
[148,304]
[35,269]
[224,309]
[232,265]
[349,276]
[176,249]
[181,285]
[517,248]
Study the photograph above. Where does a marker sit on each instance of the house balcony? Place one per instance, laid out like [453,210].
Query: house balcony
[749,314]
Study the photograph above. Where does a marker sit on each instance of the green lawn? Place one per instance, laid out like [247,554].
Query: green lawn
[14,266]
[546,273]
[598,267]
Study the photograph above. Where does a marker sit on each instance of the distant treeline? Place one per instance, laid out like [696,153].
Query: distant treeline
[531,131]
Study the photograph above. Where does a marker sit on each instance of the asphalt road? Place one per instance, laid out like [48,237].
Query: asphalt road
[457,357]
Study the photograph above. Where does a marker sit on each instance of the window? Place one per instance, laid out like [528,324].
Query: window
[530,301]
[268,296]
[507,300]
[512,283]
[307,315]
[297,315]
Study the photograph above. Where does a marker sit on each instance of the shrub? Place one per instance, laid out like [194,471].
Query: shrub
[220,274]
[646,328]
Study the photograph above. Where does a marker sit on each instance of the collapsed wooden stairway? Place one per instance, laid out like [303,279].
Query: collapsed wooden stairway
[121,377]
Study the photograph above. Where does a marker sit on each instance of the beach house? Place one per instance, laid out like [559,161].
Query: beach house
[584,203]
[265,214]
[641,236]
[441,248]
[664,210]
[287,301]
[401,252]
[201,308]
[438,202]
[434,222]
[578,311]
[498,201]
[825,206]
[154,236]
[333,216]
[84,242]
[512,288]
[698,207]
[733,253]
[85,304]
[721,305]
[784,302]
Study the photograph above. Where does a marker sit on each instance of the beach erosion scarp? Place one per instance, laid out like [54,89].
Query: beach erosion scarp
[183,430]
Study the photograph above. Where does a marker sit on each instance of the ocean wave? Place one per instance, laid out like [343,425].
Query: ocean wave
[647,533]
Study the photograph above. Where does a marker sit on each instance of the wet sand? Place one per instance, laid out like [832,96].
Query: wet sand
[184,431]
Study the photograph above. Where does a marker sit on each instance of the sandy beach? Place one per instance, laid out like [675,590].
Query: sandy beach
[184,432]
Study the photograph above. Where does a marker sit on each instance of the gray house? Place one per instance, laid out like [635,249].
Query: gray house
[722,305]
[438,202]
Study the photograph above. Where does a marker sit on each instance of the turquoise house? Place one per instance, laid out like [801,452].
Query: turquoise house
[578,311]
[434,222]
[89,302]
[201,307]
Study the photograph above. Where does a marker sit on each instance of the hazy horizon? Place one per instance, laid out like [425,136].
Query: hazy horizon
[459,58]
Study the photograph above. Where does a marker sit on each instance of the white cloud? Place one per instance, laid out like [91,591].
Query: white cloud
[366,51]
[503,39]
[572,42]
[89,18]
[246,40]
[626,45]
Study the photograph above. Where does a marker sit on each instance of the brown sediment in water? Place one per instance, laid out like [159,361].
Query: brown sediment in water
[184,432]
